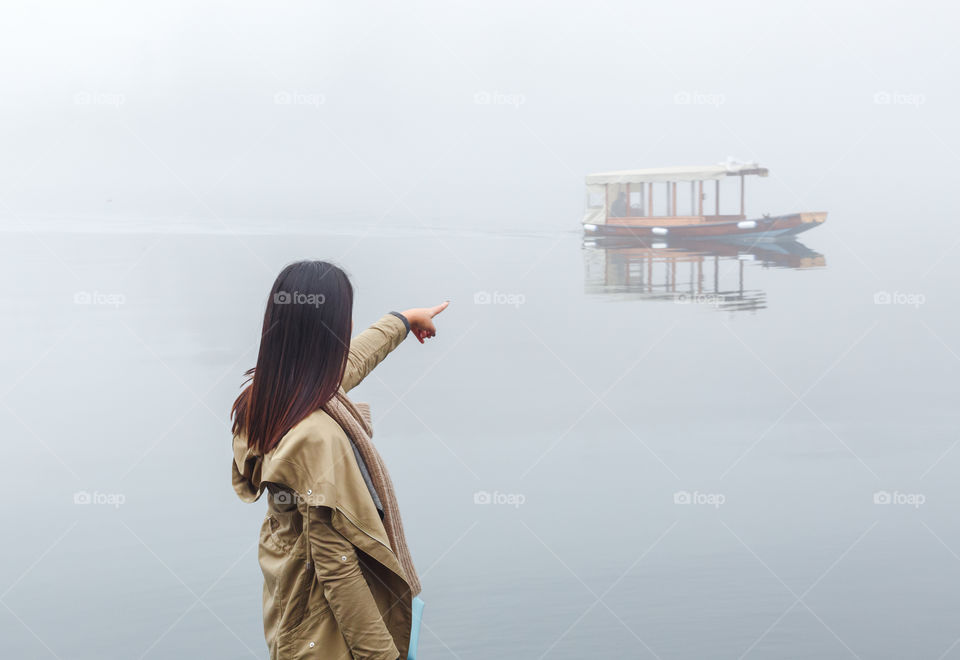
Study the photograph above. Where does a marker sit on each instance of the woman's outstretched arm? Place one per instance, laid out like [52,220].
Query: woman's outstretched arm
[370,347]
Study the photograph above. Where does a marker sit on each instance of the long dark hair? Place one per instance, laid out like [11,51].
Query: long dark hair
[303,352]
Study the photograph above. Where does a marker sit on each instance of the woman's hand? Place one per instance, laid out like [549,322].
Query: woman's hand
[421,320]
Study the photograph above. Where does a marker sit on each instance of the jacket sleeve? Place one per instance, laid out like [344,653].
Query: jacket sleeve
[345,588]
[370,347]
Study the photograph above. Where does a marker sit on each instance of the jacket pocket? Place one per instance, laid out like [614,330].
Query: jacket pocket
[271,555]
[272,534]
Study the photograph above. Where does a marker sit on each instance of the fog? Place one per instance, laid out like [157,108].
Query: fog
[769,474]
[460,115]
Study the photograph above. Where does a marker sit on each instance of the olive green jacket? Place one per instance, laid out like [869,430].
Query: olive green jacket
[317,495]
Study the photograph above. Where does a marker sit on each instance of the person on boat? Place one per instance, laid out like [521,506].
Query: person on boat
[619,207]
[338,577]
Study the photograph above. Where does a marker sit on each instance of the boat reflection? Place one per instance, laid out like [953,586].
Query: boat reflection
[705,272]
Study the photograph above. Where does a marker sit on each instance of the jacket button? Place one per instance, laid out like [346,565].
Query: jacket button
[312,644]
[343,558]
[309,492]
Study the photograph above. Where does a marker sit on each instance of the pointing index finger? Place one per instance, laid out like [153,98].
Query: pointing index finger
[439,308]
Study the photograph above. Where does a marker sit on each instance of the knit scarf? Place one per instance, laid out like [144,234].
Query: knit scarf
[354,419]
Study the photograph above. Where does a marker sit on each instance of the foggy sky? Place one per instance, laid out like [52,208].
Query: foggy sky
[466,115]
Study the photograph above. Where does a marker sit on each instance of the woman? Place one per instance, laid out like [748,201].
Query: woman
[338,578]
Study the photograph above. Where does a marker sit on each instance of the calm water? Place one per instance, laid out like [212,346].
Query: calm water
[596,457]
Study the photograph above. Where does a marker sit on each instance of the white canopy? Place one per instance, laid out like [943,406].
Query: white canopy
[688,173]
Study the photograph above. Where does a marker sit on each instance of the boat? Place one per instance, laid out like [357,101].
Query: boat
[644,204]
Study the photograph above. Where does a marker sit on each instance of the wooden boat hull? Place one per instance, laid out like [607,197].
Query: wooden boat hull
[766,228]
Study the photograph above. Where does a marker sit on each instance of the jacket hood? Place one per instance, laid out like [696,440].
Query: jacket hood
[315,460]
[249,480]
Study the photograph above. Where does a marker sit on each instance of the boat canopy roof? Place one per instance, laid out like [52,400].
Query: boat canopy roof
[688,173]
